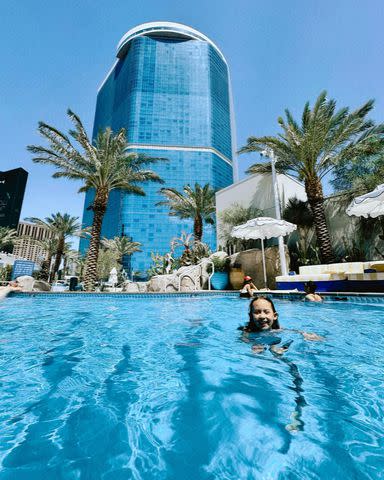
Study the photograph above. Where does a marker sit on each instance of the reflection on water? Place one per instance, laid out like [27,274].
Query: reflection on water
[166,389]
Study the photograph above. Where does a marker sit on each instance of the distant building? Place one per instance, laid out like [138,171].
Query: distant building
[257,191]
[12,188]
[170,89]
[26,247]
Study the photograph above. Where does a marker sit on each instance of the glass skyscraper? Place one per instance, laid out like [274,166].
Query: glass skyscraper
[170,89]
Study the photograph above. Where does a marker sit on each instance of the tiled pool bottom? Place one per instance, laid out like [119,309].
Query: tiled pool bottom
[119,386]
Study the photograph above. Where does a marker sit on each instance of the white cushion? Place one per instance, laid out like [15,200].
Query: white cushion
[321,277]
[347,267]
[366,276]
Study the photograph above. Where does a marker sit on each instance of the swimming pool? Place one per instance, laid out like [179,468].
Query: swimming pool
[164,388]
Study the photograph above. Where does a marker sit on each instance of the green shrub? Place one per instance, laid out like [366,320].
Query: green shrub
[220,264]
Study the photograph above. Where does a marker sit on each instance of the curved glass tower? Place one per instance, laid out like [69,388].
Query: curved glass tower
[170,89]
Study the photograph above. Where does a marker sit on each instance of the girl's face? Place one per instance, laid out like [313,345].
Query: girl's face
[263,315]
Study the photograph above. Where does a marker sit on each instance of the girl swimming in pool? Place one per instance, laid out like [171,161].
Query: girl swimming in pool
[249,288]
[263,317]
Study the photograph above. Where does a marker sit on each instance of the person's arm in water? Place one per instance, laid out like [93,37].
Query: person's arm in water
[312,337]
[275,349]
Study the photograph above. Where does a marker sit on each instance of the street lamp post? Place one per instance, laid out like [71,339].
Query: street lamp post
[268,152]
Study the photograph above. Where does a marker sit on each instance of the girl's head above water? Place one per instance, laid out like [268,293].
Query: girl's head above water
[262,315]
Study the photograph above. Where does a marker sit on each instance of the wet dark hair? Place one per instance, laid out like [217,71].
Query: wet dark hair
[310,287]
[251,325]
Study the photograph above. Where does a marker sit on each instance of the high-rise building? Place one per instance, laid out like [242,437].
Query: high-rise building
[12,188]
[170,89]
[27,246]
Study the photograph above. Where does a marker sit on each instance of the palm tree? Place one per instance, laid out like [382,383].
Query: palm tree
[299,213]
[49,246]
[235,215]
[197,203]
[324,139]
[8,237]
[70,257]
[356,178]
[122,246]
[102,167]
[61,227]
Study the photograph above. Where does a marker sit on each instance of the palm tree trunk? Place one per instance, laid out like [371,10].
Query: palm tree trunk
[58,255]
[315,196]
[45,267]
[99,207]
[65,265]
[198,228]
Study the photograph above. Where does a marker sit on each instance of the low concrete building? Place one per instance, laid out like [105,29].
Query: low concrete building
[257,191]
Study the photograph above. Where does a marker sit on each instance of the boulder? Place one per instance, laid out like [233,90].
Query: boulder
[172,287]
[26,283]
[41,286]
[143,287]
[191,281]
[251,263]
[170,283]
[219,254]
[135,287]
[131,287]
[164,283]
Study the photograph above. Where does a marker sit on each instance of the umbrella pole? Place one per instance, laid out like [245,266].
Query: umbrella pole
[264,269]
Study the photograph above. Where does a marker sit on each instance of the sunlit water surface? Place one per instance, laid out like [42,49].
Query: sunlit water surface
[115,388]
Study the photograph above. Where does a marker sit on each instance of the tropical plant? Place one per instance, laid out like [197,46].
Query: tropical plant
[80,266]
[324,139]
[122,246]
[71,257]
[197,204]
[61,226]
[102,166]
[107,260]
[235,215]
[200,250]
[357,177]
[299,213]
[8,237]
[194,255]
[221,264]
[6,273]
[49,247]
[184,240]
[161,264]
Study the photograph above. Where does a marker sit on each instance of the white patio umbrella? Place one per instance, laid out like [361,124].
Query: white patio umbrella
[369,205]
[112,280]
[262,228]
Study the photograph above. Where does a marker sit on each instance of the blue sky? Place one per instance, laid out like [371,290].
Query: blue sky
[55,54]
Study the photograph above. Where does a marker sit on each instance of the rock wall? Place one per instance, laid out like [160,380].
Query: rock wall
[252,264]
[170,283]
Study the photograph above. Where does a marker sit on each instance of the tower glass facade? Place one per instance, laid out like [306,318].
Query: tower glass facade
[170,90]
[12,188]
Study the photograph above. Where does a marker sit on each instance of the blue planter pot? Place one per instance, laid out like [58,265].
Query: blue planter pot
[219,280]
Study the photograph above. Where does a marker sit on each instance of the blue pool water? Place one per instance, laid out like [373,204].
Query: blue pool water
[157,388]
